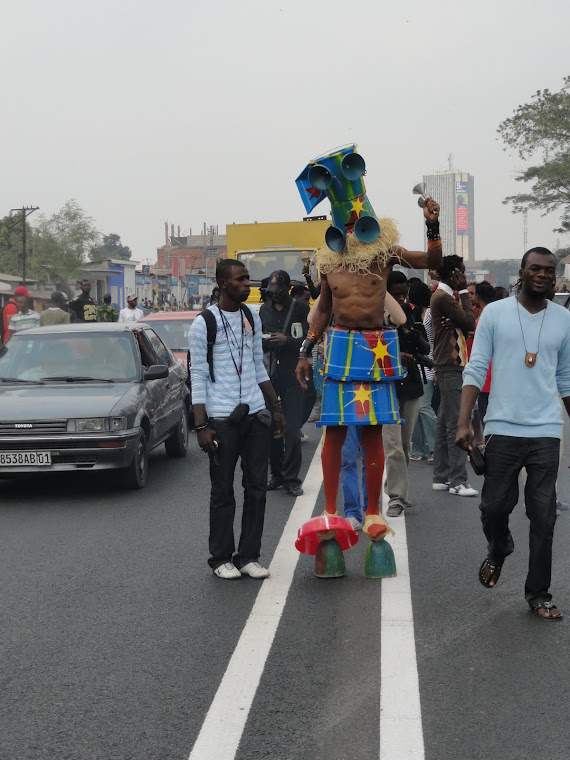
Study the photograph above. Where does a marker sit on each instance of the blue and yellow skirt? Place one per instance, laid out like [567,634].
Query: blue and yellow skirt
[359,372]
[359,403]
[372,355]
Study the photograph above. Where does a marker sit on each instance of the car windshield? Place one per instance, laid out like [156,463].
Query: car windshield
[81,356]
[173,332]
[261,264]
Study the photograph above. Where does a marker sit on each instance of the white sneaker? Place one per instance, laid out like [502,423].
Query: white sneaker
[228,571]
[254,570]
[463,489]
[356,524]
[304,437]
[441,486]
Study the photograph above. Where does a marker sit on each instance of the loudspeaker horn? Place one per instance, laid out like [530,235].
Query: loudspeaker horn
[320,177]
[353,166]
[367,229]
[335,239]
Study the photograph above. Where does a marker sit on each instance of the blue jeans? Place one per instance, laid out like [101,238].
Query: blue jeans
[424,431]
[354,504]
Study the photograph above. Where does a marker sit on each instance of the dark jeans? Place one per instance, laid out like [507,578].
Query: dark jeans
[449,461]
[505,456]
[249,440]
[286,457]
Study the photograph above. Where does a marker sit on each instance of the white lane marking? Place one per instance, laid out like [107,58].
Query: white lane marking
[401,732]
[223,726]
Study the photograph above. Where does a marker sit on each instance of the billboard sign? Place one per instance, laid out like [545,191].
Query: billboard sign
[461,208]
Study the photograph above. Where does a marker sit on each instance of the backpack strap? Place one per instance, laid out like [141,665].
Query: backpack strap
[249,316]
[211,330]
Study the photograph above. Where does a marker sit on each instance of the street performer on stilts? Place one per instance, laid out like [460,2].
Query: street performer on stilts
[354,267]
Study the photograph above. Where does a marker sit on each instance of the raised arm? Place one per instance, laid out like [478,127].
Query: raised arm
[422,259]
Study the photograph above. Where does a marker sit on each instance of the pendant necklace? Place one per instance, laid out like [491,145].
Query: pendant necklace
[530,358]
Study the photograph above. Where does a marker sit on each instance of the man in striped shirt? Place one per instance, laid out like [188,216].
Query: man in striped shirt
[232,421]
[25,317]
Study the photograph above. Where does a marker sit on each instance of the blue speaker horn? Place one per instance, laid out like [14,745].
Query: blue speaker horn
[367,229]
[335,239]
[320,177]
[353,166]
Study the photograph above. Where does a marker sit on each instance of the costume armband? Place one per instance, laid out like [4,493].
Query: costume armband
[432,231]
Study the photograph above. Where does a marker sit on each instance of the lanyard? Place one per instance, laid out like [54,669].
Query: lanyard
[227,326]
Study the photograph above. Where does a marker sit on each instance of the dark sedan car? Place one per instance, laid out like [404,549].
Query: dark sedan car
[90,396]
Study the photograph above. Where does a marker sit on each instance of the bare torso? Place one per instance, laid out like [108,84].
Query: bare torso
[358,299]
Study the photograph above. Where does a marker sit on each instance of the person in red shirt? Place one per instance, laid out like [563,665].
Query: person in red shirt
[484,295]
[11,308]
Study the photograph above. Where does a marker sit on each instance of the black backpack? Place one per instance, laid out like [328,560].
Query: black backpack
[212,329]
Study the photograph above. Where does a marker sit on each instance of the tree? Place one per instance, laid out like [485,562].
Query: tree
[61,243]
[111,249]
[542,128]
[561,253]
[11,244]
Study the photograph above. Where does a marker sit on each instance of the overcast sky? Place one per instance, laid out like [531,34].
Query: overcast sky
[148,111]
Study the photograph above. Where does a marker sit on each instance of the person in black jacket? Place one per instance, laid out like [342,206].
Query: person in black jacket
[284,321]
[83,306]
[397,438]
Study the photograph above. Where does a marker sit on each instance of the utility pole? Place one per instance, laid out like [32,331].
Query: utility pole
[26,211]
[525,229]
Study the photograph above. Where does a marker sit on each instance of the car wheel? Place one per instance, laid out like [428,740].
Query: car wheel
[136,472]
[177,444]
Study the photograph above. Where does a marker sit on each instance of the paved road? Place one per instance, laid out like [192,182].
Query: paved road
[116,636]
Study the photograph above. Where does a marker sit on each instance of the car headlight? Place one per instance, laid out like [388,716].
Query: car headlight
[92,425]
[97,424]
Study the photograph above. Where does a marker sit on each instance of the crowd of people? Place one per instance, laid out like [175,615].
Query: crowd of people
[456,342]
[19,314]
[464,348]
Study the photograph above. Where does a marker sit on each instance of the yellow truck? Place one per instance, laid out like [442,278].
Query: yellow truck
[265,247]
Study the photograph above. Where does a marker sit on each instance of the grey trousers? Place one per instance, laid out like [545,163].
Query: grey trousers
[397,444]
[449,461]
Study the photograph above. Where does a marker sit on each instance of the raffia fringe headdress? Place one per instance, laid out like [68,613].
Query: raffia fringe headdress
[357,256]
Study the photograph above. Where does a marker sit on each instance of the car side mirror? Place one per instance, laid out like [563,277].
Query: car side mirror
[156,372]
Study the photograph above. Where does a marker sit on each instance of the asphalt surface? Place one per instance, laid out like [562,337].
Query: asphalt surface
[116,635]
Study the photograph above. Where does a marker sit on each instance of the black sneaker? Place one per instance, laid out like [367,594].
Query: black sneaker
[395,510]
[273,484]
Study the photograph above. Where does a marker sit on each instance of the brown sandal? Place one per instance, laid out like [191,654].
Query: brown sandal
[550,607]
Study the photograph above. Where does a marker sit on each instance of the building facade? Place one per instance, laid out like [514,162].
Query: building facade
[191,254]
[454,191]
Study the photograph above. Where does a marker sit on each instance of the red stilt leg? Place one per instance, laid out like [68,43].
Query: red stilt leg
[374,455]
[331,459]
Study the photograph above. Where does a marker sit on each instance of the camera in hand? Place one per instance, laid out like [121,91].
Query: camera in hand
[424,361]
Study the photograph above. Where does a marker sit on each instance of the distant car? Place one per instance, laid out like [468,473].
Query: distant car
[90,396]
[173,327]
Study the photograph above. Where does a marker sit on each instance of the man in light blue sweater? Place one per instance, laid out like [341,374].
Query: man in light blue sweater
[528,340]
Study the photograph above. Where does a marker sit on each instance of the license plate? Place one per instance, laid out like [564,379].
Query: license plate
[24,458]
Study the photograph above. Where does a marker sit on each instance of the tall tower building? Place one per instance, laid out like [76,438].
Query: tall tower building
[454,191]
